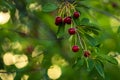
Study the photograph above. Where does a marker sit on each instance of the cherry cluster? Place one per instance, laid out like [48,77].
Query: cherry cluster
[72,31]
[66,20]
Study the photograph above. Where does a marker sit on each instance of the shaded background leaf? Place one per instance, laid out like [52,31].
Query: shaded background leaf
[49,7]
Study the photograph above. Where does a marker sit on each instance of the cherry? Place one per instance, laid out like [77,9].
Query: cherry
[30,49]
[58,20]
[76,14]
[86,53]
[67,20]
[114,5]
[71,31]
[75,48]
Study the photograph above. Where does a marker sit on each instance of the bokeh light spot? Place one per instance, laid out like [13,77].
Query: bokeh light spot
[4,17]
[21,61]
[8,58]
[54,72]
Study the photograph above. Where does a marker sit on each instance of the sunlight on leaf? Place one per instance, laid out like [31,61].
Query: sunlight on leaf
[37,51]
[16,45]
[35,6]
[118,59]
[25,77]
[114,24]
[58,60]
[6,44]
[7,76]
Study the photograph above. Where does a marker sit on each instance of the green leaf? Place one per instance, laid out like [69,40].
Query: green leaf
[91,40]
[79,63]
[60,31]
[77,21]
[72,40]
[90,64]
[18,76]
[36,75]
[84,21]
[94,31]
[49,7]
[118,31]
[99,68]
[89,27]
[2,64]
[109,59]
[93,26]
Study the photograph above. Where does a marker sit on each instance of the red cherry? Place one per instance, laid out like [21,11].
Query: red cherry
[75,48]
[67,20]
[58,20]
[86,53]
[114,5]
[71,31]
[76,14]
[29,49]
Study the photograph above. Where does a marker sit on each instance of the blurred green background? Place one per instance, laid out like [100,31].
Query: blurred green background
[29,47]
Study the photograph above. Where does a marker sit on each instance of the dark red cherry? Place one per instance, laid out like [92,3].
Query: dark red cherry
[76,14]
[86,53]
[67,20]
[58,20]
[29,49]
[75,48]
[71,31]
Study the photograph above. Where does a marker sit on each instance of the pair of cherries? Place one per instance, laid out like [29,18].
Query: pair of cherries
[67,20]
[76,48]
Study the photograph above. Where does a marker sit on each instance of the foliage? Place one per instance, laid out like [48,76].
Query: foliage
[31,32]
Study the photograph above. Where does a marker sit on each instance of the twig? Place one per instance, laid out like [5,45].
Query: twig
[80,40]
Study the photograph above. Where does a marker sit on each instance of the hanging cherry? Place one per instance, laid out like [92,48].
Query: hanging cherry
[75,48]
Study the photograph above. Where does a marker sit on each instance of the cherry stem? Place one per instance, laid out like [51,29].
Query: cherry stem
[61,11]
[65,8]
[75,40]
[72,6]
[80,40]
[85,46]
[87,63]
